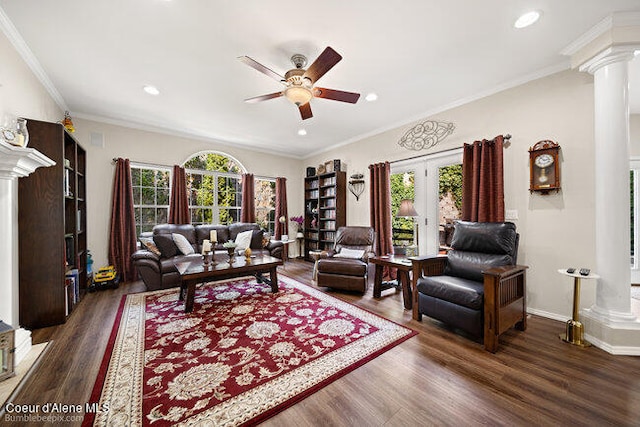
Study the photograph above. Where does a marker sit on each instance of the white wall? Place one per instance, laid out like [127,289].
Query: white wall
[557,230]
[157,148]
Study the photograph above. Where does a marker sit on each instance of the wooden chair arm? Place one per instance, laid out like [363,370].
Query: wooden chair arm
[505,271]
[430,265]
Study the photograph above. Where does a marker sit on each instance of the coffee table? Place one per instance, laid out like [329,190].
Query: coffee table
[194,272]
[403,264]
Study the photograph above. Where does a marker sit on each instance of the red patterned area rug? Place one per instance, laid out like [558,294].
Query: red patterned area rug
[241,356]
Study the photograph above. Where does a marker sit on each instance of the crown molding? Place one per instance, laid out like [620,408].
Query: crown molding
[617,19]
[27,55]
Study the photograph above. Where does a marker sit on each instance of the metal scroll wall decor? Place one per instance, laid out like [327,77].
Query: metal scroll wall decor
[426,135]
[356,185]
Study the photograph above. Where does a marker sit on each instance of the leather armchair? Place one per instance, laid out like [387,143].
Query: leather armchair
[477,287]
[349,274]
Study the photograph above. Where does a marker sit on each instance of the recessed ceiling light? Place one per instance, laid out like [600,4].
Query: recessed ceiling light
[151,90]
[371,97]
[527,19]
[636,52]
[302,132]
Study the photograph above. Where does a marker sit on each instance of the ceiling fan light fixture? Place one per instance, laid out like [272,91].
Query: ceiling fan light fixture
[299,95]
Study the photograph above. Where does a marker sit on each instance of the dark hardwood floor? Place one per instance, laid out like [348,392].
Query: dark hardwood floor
[434,378]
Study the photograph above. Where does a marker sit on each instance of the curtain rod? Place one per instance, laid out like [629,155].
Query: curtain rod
[506,137]
[155,166]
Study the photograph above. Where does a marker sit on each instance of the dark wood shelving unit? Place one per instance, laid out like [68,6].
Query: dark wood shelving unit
[325,202]
[52,222]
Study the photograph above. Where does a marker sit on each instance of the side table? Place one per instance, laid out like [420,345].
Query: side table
[575,331]
[403,264]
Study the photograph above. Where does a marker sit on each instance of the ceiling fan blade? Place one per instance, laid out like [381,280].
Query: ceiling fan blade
[336,95]
[258,66]
[263,97]
[305,111]
[327,59]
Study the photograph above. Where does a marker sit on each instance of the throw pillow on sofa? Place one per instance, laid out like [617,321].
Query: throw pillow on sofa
[148,243]
[182,243]
[243,240]
[165,244]
[350,253]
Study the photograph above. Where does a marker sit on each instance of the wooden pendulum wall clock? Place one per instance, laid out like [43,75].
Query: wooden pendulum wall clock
[544,167]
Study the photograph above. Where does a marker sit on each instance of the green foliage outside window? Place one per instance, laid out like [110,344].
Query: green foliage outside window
[402,187]
[451,181]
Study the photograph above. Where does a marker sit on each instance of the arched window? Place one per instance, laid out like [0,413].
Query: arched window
[214,184]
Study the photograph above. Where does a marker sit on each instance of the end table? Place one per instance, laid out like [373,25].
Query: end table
[575,331]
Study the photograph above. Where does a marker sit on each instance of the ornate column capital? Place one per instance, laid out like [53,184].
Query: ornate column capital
[608,56]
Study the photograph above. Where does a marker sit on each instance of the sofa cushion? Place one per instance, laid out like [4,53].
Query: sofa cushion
[485,237]
[256,240]
[457,290]
[166,245]
[243,240]
[470,265]
[349,267]
[239,227]
[203,231]
[182,243]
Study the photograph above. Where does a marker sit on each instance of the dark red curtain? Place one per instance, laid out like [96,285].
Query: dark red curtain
[281,208]
[122,232]
[248,207]
[380,210]
[483,181]
[179,202]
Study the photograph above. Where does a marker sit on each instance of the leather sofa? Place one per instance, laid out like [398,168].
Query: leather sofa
[351,274]
[159,272]
[477,287]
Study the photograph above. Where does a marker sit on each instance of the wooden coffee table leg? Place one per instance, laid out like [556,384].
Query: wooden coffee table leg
[377,282]
[273,275]
[191,293]
[403,278]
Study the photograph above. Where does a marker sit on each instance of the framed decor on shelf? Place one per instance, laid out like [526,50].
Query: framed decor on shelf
[328,166]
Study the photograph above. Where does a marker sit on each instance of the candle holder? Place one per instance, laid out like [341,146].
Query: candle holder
[208,258]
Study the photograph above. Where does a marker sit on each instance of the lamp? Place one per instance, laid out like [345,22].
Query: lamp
[407,210]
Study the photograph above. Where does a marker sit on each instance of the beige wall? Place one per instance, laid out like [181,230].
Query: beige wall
[21,93]
[157,148]
[557,230]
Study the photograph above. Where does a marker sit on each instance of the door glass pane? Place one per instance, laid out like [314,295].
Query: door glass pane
[402,188]
[449,203]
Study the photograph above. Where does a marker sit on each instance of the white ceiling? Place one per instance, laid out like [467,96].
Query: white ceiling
[419,56]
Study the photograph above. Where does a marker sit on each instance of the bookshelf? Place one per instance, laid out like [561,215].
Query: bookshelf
[325,209]
[52,220]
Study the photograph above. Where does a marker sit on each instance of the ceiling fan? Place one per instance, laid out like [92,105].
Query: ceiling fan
[299,83]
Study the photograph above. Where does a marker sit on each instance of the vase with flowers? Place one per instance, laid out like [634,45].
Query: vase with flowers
[297,222]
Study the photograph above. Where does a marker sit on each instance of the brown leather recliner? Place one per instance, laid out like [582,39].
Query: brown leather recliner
[352,274]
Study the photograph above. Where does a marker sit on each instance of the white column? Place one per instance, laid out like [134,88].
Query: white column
[611,90]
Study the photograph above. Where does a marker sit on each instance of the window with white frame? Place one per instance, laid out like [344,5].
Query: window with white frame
[150,195]
[214,185]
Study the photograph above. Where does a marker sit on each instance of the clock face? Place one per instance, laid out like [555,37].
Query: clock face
[544,160]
